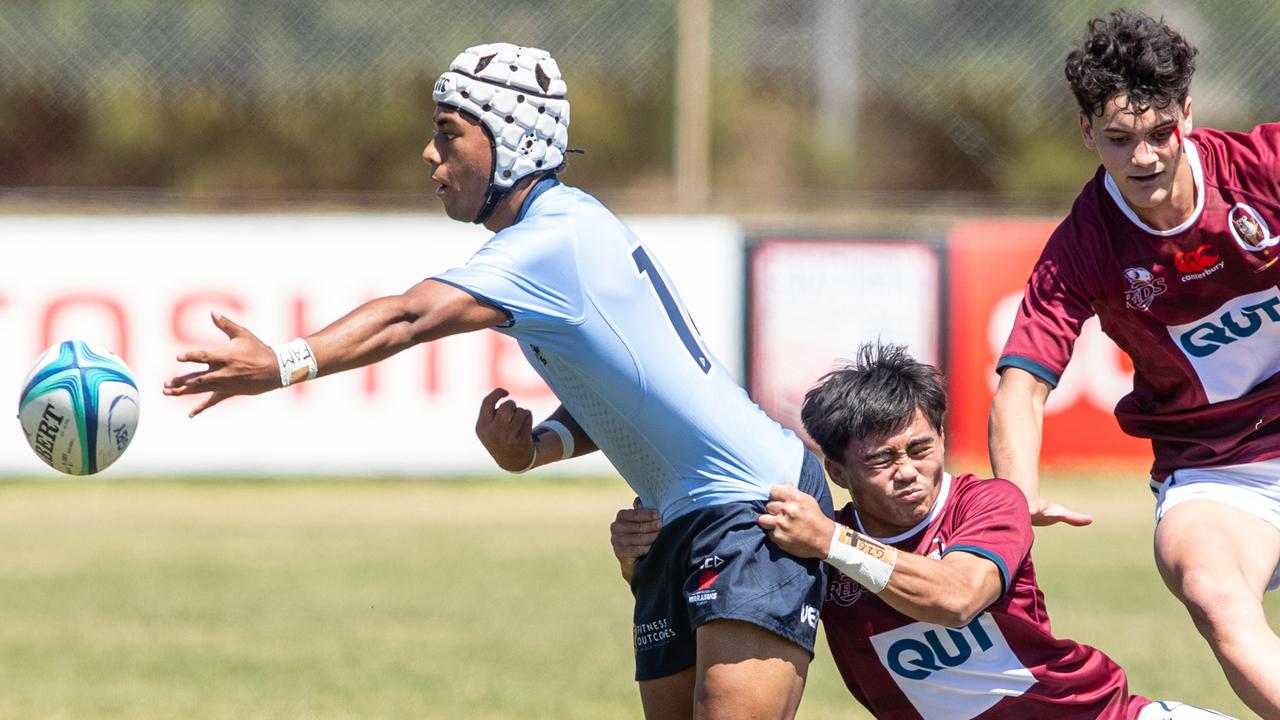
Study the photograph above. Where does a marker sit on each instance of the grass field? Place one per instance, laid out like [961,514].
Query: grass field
[443,599]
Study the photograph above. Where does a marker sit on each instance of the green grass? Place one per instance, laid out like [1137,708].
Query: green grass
[457,599]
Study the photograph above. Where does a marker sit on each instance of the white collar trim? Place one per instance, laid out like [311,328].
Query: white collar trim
[938,503]
[1197,177]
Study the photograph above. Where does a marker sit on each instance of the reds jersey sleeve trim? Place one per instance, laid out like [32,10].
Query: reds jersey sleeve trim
[511,320]
[987,554]
[1030,366]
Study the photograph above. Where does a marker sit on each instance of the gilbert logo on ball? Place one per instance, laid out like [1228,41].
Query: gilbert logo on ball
[79,407]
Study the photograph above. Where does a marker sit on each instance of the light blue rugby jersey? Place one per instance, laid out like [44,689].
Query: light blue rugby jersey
[598,319]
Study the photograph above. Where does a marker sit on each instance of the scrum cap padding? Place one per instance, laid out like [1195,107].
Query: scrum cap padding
[517,94]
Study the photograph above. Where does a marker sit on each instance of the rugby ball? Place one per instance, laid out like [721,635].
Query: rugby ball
[79,407]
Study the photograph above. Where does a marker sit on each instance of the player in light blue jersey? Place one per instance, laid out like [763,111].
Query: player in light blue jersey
[724,621]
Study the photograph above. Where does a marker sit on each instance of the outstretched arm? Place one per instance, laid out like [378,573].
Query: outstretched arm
[1014,433]
[373,331]
[506,431]
[950,591]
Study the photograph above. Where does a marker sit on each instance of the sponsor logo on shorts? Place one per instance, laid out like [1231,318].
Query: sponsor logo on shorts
[809,616]
[705,593]
[649,635]
[1143,288]
[712,562]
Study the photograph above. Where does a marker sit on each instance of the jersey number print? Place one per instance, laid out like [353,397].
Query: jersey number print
[646,267]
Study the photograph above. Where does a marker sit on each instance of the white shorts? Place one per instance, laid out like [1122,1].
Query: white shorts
[1252,487]
[1169,710]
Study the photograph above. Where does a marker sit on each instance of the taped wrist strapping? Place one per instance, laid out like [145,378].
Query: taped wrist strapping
[297,362]
[867,561]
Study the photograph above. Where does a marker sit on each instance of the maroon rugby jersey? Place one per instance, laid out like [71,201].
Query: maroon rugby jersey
[1005,665]
[1196,307]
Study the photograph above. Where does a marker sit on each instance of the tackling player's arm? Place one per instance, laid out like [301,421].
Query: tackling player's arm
[950,591]
[1014,431]
[506,430]
[373,331]
[1014,428]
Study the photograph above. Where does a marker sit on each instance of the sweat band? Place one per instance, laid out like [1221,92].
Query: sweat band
[559,428]
[868,562]
[297,362]
[532,461]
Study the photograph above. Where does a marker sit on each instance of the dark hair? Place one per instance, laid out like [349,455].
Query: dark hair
[1131,54]
[875,396]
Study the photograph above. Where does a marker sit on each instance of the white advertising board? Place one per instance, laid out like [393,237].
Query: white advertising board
[813,302]
[145,285]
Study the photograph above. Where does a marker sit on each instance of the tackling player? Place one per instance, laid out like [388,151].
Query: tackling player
[1172,245]
[935,612]
[725,624]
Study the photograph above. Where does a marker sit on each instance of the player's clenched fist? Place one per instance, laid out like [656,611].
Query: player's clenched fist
[632,533]
[796,524]
[506,431]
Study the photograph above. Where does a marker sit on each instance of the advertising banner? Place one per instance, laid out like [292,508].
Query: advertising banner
[988,264]
[144,286]
[814,301]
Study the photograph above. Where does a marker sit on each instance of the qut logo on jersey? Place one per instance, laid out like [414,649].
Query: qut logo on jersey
[1205,338]
[944,671]
[1233,348]
[918,659]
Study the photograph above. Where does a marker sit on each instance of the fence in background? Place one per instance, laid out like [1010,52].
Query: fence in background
[810,103]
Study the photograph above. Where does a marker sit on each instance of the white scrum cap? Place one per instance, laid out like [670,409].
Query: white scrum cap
[517,94]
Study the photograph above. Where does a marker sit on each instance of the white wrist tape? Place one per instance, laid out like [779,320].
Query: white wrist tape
[559,428]
[532,461]
[870,569]
[297,362]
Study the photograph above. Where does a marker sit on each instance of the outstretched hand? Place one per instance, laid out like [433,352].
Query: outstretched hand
[1046,512]
[506,431]
[245,366]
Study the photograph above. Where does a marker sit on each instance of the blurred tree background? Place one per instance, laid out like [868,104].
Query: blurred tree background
[813,104]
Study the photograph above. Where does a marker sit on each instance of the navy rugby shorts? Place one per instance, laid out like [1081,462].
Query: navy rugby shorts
[718,564]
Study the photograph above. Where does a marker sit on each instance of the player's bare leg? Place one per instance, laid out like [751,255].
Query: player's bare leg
[1218,561]
[745,672]
[670,696]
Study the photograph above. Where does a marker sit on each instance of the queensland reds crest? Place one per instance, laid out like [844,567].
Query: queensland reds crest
[844,591]
[1249,229]
[1143,288]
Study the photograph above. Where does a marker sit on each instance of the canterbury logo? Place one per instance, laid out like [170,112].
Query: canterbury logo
[1202,258]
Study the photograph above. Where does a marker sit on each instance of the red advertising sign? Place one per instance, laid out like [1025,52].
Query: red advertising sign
[988,264]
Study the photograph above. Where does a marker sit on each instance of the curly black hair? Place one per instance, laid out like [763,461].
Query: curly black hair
[1131,54]
[874,397]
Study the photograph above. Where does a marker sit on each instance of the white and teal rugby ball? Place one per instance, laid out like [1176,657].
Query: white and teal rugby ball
[79,407]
